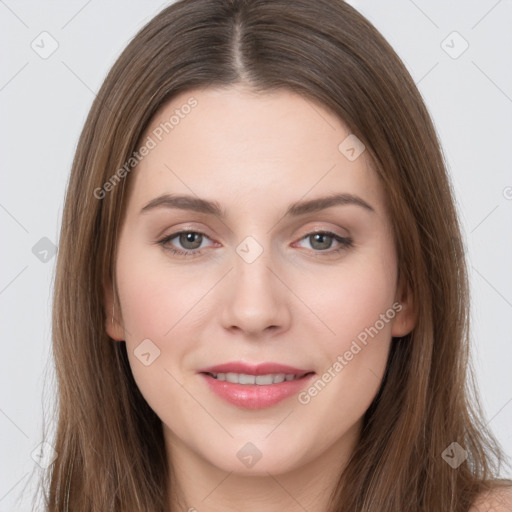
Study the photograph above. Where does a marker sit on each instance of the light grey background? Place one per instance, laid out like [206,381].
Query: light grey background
[44,102]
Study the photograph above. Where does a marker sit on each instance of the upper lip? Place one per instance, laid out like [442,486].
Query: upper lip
[251,369]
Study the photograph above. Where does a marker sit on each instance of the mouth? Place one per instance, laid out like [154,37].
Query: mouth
[255,387]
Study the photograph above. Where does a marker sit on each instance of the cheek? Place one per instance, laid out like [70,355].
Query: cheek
[352,298]
[154,307]
[154,296]
[357,309]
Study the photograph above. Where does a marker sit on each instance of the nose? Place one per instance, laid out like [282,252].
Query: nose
[256,301]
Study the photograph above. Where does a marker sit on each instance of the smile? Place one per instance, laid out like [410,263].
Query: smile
[255,391]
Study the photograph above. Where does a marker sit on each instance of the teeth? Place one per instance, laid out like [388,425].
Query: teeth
[260,380]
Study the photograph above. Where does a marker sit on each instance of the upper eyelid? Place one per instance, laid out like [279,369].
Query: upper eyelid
[344,232]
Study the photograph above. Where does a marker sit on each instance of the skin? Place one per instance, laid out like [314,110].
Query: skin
[496,500]
[298,303]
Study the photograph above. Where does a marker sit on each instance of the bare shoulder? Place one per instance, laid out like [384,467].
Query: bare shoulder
[498,499]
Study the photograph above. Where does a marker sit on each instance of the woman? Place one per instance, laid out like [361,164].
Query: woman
[261,299]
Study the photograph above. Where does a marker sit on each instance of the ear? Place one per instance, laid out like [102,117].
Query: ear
[113,323]
[406,317]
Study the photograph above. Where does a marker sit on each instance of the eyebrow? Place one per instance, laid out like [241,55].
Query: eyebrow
[186,202]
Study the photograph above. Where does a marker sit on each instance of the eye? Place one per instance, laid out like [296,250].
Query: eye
[321,241]
[190,242]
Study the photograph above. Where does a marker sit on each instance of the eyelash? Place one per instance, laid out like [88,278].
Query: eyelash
[345,243]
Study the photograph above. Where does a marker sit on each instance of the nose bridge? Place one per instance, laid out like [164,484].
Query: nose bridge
[253,274]
[254,301]
[253,279]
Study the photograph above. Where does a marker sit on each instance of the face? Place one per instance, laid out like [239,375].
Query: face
[227,255]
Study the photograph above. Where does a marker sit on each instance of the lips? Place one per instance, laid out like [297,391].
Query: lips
[233,383]
[259,369]
[253,396]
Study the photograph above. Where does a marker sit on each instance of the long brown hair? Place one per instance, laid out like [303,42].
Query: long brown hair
[109,442]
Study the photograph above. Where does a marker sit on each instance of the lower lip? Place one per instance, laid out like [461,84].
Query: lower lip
[253,396]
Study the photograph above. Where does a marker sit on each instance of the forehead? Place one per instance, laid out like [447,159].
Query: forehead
[239,123]
[232,142]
